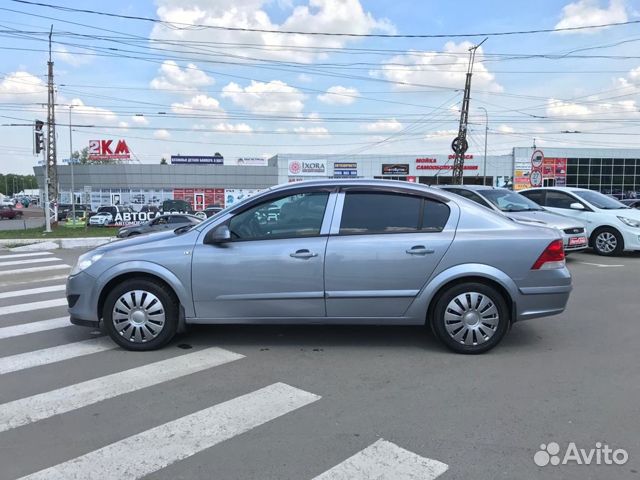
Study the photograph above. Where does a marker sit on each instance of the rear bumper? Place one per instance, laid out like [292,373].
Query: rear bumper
[544,300]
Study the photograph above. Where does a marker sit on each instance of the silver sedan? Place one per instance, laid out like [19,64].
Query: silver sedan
[336,252]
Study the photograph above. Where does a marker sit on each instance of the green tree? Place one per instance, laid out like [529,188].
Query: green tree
[163,161]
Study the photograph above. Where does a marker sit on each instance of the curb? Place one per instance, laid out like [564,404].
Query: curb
[45,243]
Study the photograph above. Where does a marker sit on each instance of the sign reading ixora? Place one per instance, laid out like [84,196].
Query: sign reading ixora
[307,168]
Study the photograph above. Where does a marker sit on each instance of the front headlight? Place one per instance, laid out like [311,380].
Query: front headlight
[85,261]
[630,222]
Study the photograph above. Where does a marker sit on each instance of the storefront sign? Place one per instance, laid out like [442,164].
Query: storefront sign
[105,150]
[426,160]
[444,167]
[307,168]
[248,161]
[188,159]
[133,218]
[342,169]
[395,169]
[234,195]
[466,157]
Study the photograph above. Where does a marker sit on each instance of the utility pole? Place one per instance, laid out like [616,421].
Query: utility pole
[71,160]
[51,181]
[460,143]
[486,133]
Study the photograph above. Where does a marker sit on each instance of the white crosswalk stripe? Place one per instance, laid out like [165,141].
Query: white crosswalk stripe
[28,261]
[384,461]
[27,307]
[22,361]
[34,269]
[24,255]
[34,327]
[40,279]
[32,291]
[154,449]
[44,405]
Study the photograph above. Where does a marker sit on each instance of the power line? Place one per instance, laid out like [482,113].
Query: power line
[188,26]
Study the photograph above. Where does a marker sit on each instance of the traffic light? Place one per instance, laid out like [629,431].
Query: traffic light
[39,136]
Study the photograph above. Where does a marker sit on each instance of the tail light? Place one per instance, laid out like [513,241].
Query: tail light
[552,257]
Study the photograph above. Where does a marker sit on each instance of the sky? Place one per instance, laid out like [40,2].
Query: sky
[179,86]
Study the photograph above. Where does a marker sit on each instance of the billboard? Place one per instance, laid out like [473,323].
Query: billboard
[395,169]
[105,150]
[248,161]
[344,169]
[307,168]
[234,195]
[197,159]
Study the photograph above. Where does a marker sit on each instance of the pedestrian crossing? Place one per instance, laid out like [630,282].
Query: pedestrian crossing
[152,448]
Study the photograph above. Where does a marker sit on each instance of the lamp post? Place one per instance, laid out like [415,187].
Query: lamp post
[486,132]
[73,185]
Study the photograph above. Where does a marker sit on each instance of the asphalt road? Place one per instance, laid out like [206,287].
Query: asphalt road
[284,403]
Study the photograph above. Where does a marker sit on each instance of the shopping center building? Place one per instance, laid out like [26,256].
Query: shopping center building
[611,171]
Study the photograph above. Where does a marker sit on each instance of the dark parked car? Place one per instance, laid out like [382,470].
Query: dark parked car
[65,209]
[159,224]
[211,210]
[631,202]
[9,213]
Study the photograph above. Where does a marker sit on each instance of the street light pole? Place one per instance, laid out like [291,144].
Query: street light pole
[486,132]
[73,185]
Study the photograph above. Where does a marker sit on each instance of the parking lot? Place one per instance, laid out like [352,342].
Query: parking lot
[277,402]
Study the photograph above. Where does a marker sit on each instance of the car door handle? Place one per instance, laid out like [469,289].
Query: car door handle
[304,253]
[419,250]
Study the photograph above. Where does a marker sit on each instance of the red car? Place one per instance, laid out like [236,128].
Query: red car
[9,213]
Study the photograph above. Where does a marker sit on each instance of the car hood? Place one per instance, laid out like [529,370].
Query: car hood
[548,219]
[632,213]
[135,241]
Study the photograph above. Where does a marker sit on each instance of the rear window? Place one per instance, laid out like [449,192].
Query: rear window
[374,213]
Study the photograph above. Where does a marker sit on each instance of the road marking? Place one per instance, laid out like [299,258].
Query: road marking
[44,405]
[23,255]
[384,461]
[30,282]
[601,265]
[27,307]
[149,451]
[32,291]
[30,260]
[45,356]
[34,269]
[33,327]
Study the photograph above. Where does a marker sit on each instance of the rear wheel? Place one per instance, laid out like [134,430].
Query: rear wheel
[470,318]
[141,314]
[607,242]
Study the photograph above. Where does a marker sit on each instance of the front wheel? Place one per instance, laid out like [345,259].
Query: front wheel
[141,314]
[470,318]
[607,242]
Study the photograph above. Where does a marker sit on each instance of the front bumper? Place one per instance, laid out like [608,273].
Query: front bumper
[631,238]
[83,307]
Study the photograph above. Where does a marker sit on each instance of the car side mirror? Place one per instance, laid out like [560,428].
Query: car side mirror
[220,234]
[576,206]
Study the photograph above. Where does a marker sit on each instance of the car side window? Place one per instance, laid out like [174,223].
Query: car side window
[375,213]
[535,195]
[178,219]
[162,221]
[471,196]
[557,199]
[293,216]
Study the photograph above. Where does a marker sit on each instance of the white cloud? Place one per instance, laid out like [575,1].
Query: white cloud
[416,69]
[86,113]
[303,77]
[198,105]
[441,133]
[123,125]
[266,98]
[140,120]
[172,77]
[235,128]
[314,16]
[24,87]
[506,129]
[161,134]
[72,59]
[391,125]
[588,12]
[312,132]
[339,95]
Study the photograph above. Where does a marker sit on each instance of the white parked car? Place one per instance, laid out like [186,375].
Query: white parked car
[612,227]
[101,219]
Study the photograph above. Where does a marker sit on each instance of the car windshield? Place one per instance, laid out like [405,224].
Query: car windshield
[508,201]
[599,200]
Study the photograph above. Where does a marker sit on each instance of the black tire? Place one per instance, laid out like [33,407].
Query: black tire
[604,238]
[482,329]
[169,304]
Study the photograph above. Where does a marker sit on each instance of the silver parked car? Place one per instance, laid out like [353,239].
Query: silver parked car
[158,224]
[521,209]
[336,252]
